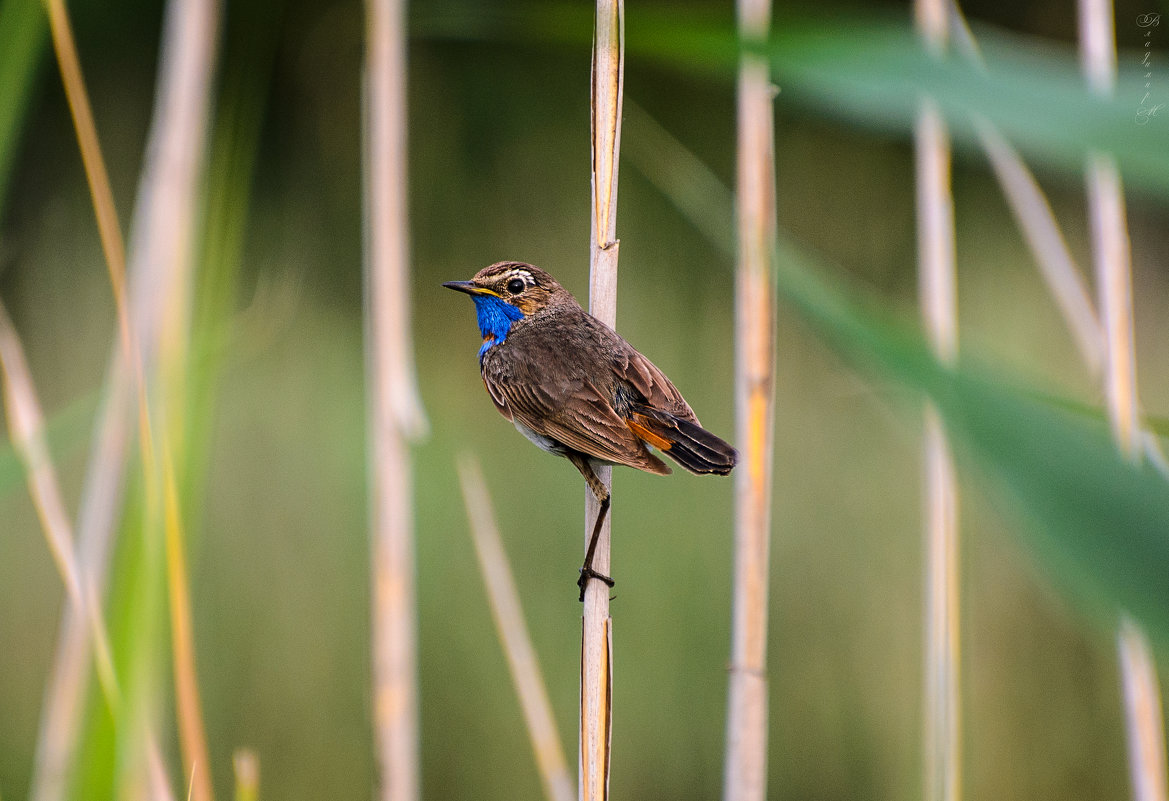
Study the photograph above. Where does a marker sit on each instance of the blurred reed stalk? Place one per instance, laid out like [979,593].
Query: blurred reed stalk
[938,298]
[247,774]
[172,177]
[108,229]
[745,769]
[26,426]
[1046,242]
[1144,727]
[1106,346]
[164,219]
[395,413]
[596,664]
[27,430]
[513,633]
[1033,213]
[100,504]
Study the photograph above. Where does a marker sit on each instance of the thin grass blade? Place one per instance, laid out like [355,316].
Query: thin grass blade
[513,634]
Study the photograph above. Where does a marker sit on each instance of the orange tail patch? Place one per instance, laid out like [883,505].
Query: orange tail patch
[644,433]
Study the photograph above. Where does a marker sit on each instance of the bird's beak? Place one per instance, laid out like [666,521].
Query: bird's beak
[470,287]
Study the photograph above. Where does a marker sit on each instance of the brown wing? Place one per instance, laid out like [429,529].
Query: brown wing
[631,369]
[563,378]
[575,413]
[585,421]
[644,376]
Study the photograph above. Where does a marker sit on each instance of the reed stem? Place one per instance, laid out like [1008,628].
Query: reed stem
[395,414]
[745,768]
[942,733]
[166,213]
[607,77]
[1141,697]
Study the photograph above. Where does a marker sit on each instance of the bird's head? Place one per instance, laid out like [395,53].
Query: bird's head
[507,292]
[524,287]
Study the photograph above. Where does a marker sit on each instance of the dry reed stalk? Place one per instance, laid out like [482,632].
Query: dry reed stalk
[171,179]
[180,116]
[26,427]
[95,170]
[942,765]
[1109,234]
[1144,726]
[1140,685]
[26,424]
[1035,218]
[247,774]
[942,734]
[745,768]
[100,501]
[394,410]
[513,634]
[596,669]
[1043,236]
[1047,244]
[1142,703]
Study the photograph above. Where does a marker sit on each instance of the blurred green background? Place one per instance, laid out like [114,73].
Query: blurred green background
[499,170]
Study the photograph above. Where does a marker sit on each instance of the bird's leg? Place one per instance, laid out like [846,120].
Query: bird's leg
[586,570]
[601,493]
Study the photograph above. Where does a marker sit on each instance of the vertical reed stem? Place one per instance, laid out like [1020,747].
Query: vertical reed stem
[1111,255]
[596,670]
[164,220]
[938,299]
[745,770]
[394,411]
[175,170]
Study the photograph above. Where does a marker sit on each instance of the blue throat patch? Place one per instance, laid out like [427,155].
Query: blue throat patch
[495,319]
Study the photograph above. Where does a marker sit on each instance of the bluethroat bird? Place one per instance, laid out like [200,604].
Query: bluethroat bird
[575,388]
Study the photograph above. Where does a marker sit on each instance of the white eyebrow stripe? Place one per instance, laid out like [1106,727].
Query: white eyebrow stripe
[525,275]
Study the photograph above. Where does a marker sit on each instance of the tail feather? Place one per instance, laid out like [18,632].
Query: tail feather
[687,443]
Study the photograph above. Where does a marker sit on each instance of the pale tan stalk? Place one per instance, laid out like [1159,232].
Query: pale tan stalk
[943,736]
[26,425]
[100,505]
[176,146]
[171,178]
[395,413]
[513,634]
[1142,704]
[1109,232]
[247,774]
[26,428]
[745,769]
[596,671]
[942,764]
[1043,236]
[1033,213]
[1111,255]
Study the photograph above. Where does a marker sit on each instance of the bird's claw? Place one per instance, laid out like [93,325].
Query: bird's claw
[587,573]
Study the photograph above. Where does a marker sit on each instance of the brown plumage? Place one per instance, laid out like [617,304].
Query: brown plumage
[576,388]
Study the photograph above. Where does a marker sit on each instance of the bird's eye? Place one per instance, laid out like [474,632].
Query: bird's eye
[515,286]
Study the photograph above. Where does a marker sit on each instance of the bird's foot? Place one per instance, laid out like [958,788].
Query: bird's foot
[587,573]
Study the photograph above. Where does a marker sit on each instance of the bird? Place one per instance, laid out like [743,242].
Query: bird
[575,388]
